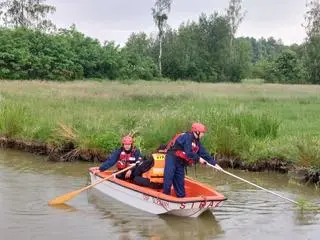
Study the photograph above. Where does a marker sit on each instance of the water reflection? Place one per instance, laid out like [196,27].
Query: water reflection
[64,207]
[306,218]
[149,226]
[22,162]
[204,227]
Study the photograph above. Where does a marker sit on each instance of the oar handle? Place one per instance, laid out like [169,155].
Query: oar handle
[251,183]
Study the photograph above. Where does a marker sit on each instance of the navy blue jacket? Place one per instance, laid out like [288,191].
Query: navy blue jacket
[185,141]
[114,156]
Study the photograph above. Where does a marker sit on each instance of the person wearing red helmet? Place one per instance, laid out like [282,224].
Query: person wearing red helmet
[183,150]
[126,155]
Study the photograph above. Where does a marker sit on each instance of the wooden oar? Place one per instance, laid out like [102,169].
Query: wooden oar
[251,183]
[66,197]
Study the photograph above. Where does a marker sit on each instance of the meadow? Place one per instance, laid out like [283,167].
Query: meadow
[250,121]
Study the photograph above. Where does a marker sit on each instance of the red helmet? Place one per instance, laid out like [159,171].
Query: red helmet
[198,127]
[127,140]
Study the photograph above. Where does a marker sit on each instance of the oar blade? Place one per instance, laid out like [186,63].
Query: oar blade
[64,198]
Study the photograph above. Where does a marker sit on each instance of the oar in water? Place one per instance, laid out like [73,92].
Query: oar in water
[66,197]
[251,183]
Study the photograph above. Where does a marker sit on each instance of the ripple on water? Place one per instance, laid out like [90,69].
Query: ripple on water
[28,194]
[248,202]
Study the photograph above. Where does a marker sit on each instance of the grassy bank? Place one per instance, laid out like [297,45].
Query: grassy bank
[247,121]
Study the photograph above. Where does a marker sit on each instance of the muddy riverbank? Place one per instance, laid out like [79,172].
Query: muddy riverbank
[68,153]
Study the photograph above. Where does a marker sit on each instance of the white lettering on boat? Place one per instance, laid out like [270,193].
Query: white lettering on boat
[145,197]
[160,202]
[157,201]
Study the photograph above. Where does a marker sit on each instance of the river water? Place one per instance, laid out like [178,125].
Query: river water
[28,182]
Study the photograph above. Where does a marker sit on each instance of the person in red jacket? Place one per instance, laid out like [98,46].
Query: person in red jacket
[184,149]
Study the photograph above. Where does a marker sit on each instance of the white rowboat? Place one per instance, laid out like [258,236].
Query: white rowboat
[199,197]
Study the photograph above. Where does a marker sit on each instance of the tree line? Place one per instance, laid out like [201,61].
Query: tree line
[205,50]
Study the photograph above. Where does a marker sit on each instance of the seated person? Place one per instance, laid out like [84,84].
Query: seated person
[153,177]
[123,157]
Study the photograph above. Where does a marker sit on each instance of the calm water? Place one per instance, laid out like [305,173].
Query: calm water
[28,182]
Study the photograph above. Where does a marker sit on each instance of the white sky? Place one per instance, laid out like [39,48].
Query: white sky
[117,19]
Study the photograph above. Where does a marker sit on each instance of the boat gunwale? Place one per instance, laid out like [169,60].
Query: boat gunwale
[159,195]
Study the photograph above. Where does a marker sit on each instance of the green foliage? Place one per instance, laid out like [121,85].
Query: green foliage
[313,59]
[67,55]
[234,131]
[199,50]
[26,14]
[262,69]
[13,118]
[287,68]
[204,50]
[240,66]
[163,130]
[137,67]
[99,140]
[257,126]
[308,151]
[230,142]
[95,115]
[267,49]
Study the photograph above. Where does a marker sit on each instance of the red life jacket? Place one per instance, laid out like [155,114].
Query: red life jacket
[179,152]
[125,159]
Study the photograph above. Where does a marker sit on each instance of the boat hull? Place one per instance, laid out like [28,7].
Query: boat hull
[153,201]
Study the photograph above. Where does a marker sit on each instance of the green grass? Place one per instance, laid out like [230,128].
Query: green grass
[304,205]
[247,120]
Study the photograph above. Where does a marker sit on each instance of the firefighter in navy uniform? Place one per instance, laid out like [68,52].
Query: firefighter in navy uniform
[126,155]
[123,157]
[183,150]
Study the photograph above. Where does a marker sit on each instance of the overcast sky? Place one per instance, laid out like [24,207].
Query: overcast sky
[117,19]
